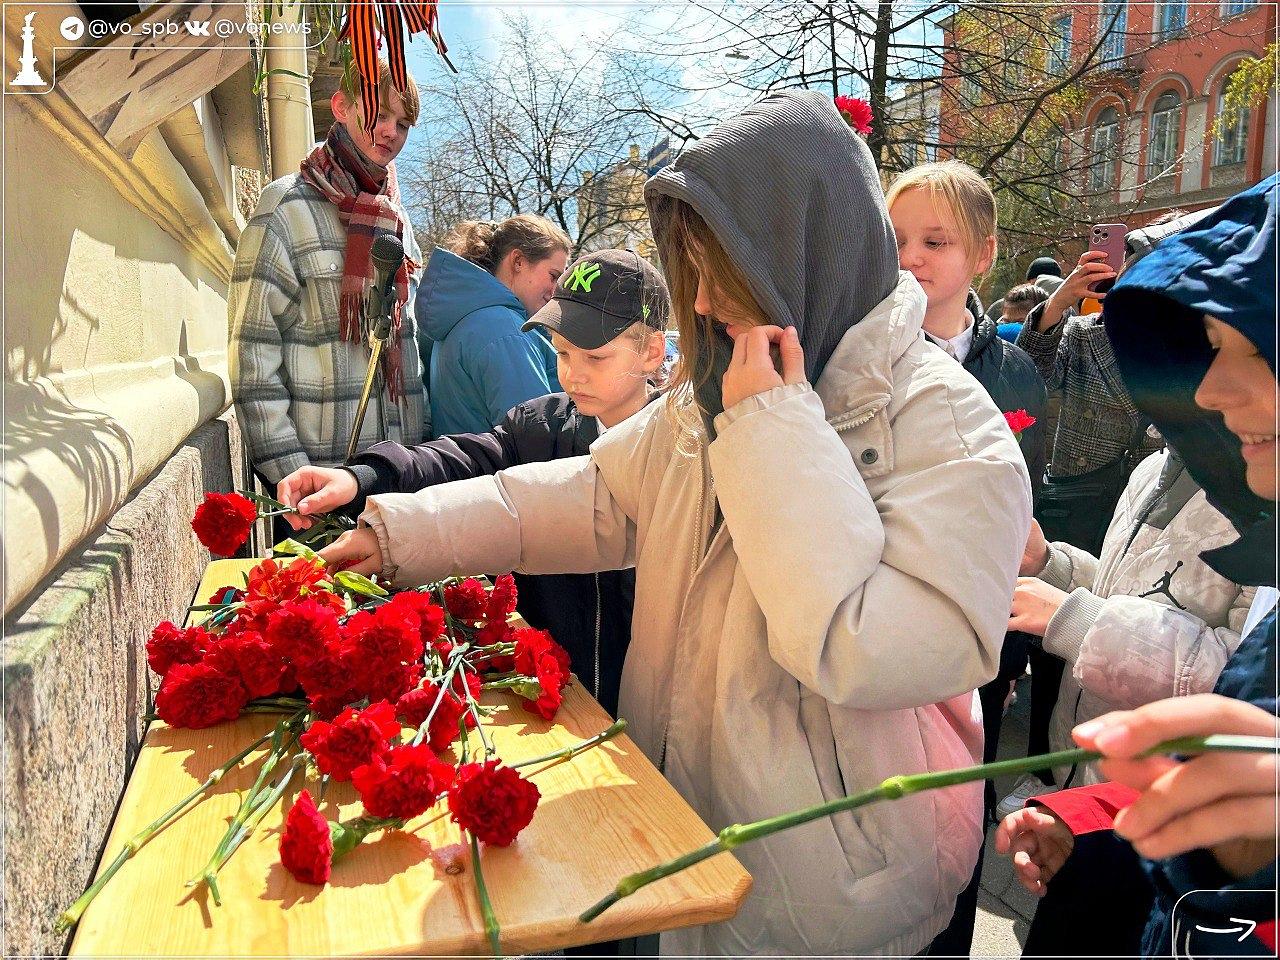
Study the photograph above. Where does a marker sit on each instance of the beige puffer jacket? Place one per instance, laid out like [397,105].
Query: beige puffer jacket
[830,634]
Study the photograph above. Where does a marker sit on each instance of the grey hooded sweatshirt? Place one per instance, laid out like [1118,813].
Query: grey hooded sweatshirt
[832,630]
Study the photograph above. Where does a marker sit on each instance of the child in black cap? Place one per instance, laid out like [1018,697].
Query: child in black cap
[606,322]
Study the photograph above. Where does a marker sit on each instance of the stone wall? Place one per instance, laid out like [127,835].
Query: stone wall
[76,684]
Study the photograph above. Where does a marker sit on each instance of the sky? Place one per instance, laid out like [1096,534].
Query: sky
[578,24]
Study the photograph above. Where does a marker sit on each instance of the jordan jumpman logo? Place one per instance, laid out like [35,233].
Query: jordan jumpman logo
[1163,586]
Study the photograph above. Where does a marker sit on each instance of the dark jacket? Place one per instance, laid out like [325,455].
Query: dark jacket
[1224,265]
[1012,381]
[479,362]
[588,614]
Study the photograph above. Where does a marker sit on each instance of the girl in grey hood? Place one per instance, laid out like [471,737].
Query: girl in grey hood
[824,553]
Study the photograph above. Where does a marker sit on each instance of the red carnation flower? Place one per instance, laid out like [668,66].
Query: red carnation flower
[196,695]
[502,599]
[414,706]
[423,610]
[532,645]
[279,583]
[493,802]
[466,600]
[303,629]
[170,645]
[385,648]
[328,680]
[404,784]
[251,658]
[352,740]
[856,113]
[1018,420]
[306,847]
[222,523]
[494,632]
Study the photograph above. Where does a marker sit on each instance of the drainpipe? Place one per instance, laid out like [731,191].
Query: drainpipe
[288,97]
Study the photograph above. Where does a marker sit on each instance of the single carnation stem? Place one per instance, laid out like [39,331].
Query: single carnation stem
[235,833]
[71,916]
[897,787]
[446,681]
[509,682]
[568,753]
[486,907]
[474,709]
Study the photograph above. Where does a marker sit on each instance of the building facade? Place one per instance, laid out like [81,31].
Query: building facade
[1138,127]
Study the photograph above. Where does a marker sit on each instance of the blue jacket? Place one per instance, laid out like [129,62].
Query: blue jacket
[1223,265]
[480,363]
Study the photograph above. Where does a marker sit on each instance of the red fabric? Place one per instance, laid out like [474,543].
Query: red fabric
[1088,809]
[1266,932]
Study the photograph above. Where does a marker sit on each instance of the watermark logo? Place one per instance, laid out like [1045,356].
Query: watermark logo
[28,73]
[72,29]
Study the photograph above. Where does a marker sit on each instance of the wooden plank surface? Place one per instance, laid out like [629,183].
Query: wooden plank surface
[606,813]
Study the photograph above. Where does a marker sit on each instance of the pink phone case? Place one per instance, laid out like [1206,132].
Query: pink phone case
[1109,238]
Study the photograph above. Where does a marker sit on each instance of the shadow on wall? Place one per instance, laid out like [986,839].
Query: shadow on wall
[89,445]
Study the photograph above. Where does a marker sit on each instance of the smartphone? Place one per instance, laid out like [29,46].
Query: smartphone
[1109,238]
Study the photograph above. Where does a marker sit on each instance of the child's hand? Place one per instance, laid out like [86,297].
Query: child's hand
[1034,604]
[1035,555]
[1225,802]
[315,490]
[751,370]
[356,550]
[1038,842]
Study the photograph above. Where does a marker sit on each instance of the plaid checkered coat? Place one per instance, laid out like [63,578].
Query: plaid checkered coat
[1097,421]
[296,383]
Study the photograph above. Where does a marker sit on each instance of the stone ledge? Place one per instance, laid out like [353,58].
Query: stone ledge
[76,684]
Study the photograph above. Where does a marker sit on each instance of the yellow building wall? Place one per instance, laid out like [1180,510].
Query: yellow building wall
[115,281]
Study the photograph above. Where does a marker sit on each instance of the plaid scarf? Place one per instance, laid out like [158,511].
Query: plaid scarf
[364,195]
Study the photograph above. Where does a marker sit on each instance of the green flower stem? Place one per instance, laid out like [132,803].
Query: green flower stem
[486,907]
[71,916]
[473,708]
[894,788]
[239,834]
[234,836]
[446,682]
[510,682]
[568,753]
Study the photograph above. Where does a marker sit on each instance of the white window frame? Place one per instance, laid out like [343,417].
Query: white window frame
[1104,170]
[1165,28]
[1233,8]
[1113,45]
[1239,131]
[1060,52]
[1168,136]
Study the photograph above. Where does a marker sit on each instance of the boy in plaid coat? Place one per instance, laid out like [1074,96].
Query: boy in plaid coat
[299,347]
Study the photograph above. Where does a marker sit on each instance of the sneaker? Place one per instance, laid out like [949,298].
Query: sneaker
[1026,788]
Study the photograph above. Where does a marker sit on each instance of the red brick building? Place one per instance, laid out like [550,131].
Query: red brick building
[1142,136]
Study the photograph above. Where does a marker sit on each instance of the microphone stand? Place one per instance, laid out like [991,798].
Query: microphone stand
[381,302]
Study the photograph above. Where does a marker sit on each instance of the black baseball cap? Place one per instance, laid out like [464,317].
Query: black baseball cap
[600,295]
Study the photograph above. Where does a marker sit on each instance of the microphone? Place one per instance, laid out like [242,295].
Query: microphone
[387,255]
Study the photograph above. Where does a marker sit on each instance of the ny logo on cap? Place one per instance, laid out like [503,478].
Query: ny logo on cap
[583,276]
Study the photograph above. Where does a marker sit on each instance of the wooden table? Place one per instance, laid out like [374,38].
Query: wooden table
[604,814]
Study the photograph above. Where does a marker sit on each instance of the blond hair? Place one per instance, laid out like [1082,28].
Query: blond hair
[386,90]
[486,243]
[958,188]
[692,251]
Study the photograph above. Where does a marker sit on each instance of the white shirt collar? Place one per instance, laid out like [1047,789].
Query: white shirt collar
[959,345]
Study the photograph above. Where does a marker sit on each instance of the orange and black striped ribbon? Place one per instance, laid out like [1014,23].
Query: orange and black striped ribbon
[393,31]
[362,33]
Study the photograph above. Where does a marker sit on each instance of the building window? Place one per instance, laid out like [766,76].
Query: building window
[1162,140]
[931,138]
[1229,145]
[1060,51]
[1171,17]
[1231,7]
[1113,18]
[1105,161]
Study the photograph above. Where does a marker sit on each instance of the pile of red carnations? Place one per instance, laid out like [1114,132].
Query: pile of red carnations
[373,689]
